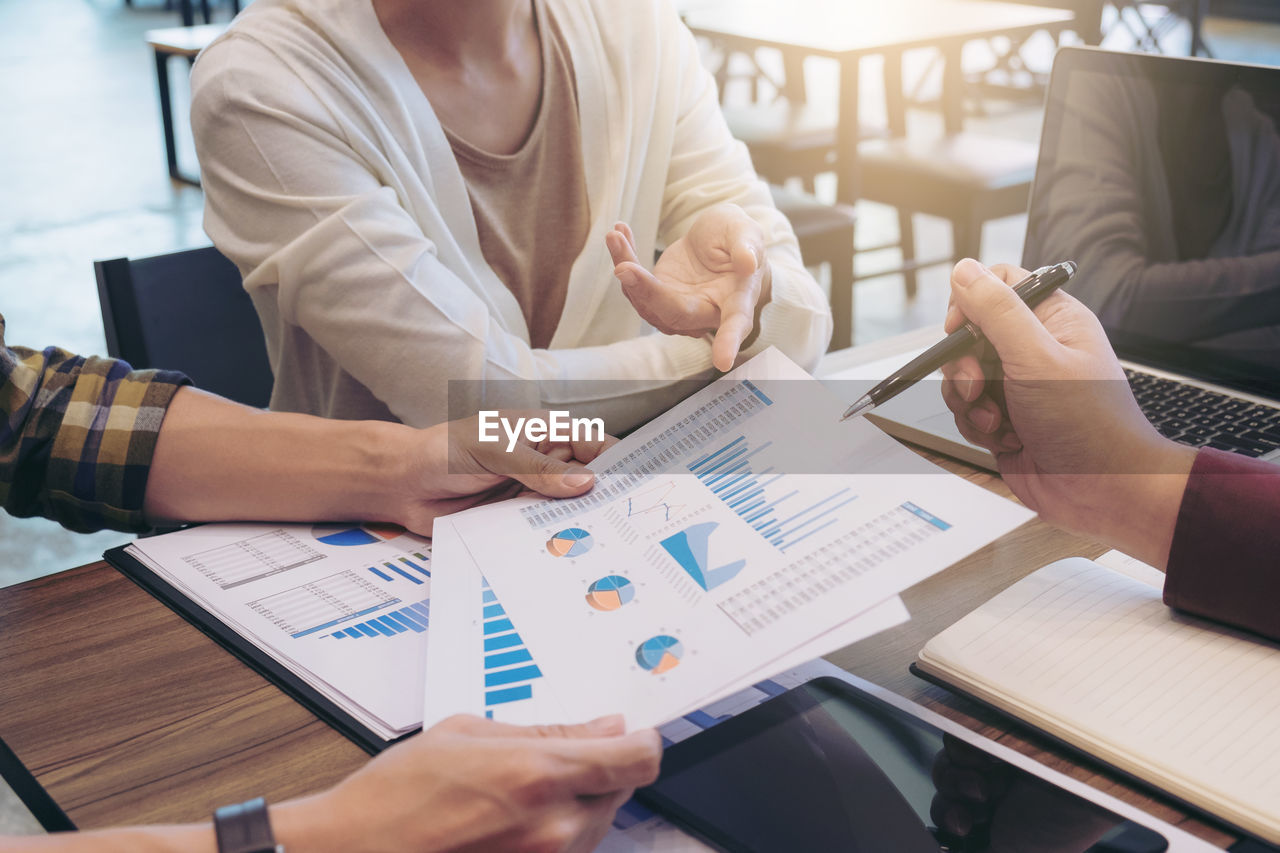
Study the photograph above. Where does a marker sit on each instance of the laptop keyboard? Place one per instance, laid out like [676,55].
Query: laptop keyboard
[1201,418]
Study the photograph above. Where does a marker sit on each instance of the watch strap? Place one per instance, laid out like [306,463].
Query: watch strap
[245,828]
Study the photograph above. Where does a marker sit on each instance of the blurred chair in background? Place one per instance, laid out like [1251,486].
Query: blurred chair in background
[186,311]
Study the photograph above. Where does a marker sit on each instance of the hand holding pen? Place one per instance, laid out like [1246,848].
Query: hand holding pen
[1032,290]
[1051,402]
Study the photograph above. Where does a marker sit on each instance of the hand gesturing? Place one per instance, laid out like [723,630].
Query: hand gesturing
[713,279]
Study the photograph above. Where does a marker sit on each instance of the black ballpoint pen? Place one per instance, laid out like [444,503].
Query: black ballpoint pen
[1033,290]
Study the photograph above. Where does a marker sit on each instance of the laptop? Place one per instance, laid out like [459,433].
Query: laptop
[1160,177]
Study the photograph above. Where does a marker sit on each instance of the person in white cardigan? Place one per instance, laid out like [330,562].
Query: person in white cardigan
[344,146]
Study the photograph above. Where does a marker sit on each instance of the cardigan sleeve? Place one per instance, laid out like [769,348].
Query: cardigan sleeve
[1224,562]
[304,213]
[708,166]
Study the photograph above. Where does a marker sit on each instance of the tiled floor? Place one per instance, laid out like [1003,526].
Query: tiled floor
[82,178]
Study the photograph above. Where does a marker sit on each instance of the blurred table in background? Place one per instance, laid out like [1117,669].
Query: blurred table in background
[847,31]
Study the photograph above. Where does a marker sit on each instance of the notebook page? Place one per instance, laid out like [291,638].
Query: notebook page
[1190,705]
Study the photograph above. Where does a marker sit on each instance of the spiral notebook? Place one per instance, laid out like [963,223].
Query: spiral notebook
[1089,654]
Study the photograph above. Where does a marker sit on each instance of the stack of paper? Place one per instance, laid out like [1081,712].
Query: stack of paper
[742,533]
[343,607]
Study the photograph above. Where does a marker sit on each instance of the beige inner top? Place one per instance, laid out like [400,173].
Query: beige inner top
[531,207]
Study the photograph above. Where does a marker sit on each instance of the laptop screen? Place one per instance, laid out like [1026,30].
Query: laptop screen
[1160,177]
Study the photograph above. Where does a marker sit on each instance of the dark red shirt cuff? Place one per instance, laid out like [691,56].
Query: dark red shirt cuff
[1224,563]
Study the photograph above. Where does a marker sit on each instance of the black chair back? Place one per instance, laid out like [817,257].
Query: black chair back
[186,311]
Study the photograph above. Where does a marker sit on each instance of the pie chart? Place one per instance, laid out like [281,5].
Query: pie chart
[570,542]
[355,534]
[660,654]
[610,593]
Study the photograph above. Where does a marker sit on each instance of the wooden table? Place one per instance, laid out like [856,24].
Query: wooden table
[127,714]
[847,31]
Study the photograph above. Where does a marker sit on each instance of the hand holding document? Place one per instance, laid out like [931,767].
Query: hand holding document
[741,532]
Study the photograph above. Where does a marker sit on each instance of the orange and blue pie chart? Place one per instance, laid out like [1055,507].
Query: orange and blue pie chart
[346,535]
[570,542]
[660,654]
[610,593]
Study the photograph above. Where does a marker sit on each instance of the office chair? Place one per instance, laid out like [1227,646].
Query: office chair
[186,311]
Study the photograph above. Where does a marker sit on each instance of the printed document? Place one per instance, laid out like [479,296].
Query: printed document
[733,531]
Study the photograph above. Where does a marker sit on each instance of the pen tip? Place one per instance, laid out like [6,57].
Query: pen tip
[863,404]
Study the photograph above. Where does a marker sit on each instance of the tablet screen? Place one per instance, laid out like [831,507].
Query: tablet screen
[828,767]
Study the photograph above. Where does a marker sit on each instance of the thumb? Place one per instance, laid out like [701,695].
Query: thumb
[548,475]
[989,303]
[602,727]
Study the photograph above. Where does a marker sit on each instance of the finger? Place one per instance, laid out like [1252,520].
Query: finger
[603,727]
[727,342]
[625,230]
[596,815]
[737,319]
[746,251]
[966,374]
[542,472]
[606,765]
[960,410]
[954,318]
[1005,320]
[621,249]
[586,451]
[985,415]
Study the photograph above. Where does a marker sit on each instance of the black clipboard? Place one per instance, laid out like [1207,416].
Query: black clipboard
[249,654]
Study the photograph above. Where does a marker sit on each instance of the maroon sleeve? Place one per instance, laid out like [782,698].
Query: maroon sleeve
[1224,563]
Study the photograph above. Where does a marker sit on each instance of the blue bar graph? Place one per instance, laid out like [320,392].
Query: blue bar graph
[409,618]
[763,498]
[333,622]
[509,676]
[507,658]
[417,568]
[507,694]
[505,641]
[402,573]
[509,670]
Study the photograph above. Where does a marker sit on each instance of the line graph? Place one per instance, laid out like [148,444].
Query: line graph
[654,503]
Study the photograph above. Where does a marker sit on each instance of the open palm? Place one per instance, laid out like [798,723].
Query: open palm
[714,279]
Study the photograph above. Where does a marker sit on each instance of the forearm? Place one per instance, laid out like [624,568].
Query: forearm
[220,461]
[314,824]
[150,839]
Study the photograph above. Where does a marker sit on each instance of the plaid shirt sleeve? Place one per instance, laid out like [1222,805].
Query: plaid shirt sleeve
[77,436]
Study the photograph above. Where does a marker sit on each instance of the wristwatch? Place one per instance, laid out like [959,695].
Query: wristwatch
[245,828]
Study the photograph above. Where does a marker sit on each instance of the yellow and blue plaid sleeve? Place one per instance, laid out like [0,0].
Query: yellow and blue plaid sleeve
[78,436]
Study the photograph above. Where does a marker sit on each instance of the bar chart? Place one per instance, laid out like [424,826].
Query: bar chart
[253,559]
[661,453]
[784,508]
[413,617]
[509,670]
[412,568]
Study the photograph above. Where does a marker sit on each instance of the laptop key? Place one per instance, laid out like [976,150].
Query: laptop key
[1238,445]
[1260,437]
